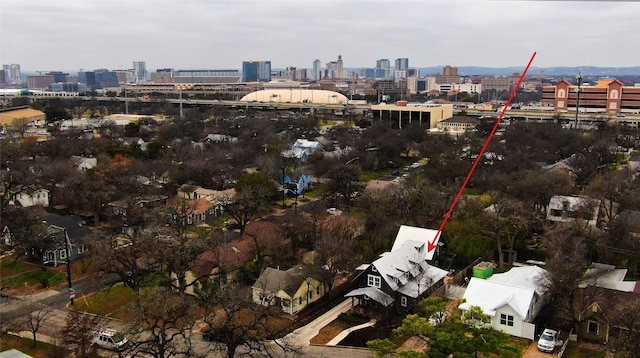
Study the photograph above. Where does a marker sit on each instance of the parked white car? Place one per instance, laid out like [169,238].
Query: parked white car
[109,339]
[548,340]
[334,211]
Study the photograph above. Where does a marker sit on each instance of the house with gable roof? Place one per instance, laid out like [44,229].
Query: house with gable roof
[301,150]
[511,300]
[566,208]
[399,279]
[291,290]
[605,294]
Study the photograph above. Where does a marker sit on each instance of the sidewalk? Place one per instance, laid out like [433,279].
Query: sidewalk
[302,336]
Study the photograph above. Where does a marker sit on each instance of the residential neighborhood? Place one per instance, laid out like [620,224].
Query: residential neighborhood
[319,179]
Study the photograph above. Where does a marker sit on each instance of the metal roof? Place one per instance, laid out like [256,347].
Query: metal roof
[373,293]
[490,296]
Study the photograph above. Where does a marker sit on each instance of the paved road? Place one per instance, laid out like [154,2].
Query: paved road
[55,300]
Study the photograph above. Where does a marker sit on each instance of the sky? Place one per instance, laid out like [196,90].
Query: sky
[69,35]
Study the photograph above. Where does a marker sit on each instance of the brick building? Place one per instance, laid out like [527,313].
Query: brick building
[610,96]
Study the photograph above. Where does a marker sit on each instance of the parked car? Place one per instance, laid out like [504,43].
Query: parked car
[548,340]
[109,339]
[334,211]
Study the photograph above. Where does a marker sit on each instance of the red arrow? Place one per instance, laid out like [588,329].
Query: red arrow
[431,245]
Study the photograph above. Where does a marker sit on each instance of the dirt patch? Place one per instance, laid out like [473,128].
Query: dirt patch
[359,338]
[331,330]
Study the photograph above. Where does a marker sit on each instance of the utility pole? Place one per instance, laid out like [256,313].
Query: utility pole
[67,244]
[579,80]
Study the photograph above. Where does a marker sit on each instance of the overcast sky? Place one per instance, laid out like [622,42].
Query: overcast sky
[43,35]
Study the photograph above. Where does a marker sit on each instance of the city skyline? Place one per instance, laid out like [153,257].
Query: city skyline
[69,35]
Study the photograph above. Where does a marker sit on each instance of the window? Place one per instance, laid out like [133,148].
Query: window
[318,290]
[374,281]
[593,327]
[614,94]
[561,93]
[300,300]
[374,269]
[403,301]
[63,254]
[506,320]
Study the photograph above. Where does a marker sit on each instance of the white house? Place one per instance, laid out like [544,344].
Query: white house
[301,149]
[564,208]
[511,300]
[26,198]
[83,163]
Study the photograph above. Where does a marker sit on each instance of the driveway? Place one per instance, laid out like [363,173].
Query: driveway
[533,352]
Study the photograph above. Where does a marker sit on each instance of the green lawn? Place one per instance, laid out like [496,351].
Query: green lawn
[317,192]
[116,302]
[11,267]
[32,278]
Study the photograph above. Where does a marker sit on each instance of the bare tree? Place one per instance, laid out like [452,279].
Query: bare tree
[337,248]
[627,319]
[566,263]
[235,322]
[35,318]
[79,330]
[162,325]
[20,126]
[505,221]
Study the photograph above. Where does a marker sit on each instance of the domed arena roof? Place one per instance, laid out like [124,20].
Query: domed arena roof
[295,95]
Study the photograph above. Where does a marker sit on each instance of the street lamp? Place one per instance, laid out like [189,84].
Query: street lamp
[579,80]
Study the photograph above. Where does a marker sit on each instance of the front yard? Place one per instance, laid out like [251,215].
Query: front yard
[19,277]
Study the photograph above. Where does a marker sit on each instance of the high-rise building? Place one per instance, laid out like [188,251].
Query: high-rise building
[340,68]
[317,70]
[140,71]
[12,73]
[402,64]
[256,71]
[41,82]
[385,65]
[58,76]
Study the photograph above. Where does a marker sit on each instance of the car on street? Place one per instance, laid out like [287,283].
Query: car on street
[548,340]
[109,339]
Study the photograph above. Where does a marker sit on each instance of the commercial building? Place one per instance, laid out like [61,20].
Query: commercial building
[427,115]
[295,95]
[41,82]
[610,96]
[449,75]
[256,71]
[504,83]
[340,68]
[317,70]
[385,65]
[12,73]
[402,64]
[140,71]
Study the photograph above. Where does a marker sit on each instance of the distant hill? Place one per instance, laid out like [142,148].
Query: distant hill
[539,71]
